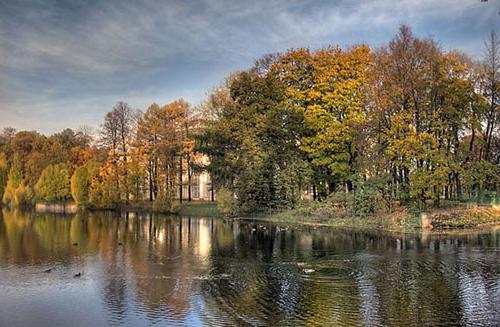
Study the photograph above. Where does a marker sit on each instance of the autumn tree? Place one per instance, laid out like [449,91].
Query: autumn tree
[14,179]
[4,171]
[116,133]
[491,90]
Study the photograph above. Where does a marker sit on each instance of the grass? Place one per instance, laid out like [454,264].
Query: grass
[466,218]
[401,220]
[398,221]
[199,209]
[449,216]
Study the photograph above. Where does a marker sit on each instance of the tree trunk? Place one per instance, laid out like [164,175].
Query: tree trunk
[188,161]
[180,180]
[150,175]
[458,186]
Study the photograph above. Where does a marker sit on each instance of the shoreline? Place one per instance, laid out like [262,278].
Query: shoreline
[441,221]
[366,228]
[462,220]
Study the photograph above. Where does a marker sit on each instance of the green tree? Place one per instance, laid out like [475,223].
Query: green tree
[80,186]
[53,184]
[252,140]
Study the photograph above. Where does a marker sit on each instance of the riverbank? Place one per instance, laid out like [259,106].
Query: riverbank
[188,208]
[401,220]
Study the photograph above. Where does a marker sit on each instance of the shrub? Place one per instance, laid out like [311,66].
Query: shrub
[367,200]
[23,196]
[53,184]
[226,202]
[4,170]
[14,179]
[162,203]
[102,192]
[80,186]
[339,202]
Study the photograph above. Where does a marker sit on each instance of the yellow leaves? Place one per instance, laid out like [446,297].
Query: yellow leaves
[329,85]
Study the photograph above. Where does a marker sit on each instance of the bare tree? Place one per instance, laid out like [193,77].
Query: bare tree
[116,132]
[491,85]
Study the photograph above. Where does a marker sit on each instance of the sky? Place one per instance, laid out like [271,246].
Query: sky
[65,63]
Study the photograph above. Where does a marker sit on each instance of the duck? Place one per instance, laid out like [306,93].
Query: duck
[47,270]
[75,244]
[77,275]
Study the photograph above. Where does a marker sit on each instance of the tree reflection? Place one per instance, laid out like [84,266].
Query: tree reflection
[184,270]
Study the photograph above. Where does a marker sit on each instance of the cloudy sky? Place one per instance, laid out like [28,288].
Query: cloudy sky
[65,63]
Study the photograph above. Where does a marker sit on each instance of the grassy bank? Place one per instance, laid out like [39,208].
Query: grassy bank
[193,209]
[400,220]
[199,209]
[457,218]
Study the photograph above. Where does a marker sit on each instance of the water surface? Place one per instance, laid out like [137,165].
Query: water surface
[143,270]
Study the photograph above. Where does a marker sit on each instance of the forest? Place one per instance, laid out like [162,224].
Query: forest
[403,124]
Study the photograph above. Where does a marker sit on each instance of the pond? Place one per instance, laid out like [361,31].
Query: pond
[101,268]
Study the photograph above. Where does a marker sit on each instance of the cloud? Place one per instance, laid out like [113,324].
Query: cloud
[56,54]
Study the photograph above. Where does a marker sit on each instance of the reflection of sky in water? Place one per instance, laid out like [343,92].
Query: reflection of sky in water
[143,270]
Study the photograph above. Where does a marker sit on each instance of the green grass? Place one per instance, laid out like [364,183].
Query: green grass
[199,209]
[398,221]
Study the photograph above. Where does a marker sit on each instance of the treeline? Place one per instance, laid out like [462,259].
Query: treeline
[136,157]
[406,123]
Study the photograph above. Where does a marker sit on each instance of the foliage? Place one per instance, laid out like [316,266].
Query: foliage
[360,130]
[14,178]
[226,203]
[4,170]
[23,196]
[368,199]
[163,203]
[80,186]
[53,184]
[103,189]
[252,144]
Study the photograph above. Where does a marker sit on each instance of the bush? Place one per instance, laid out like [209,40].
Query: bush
[80,186]
[23,196]
[339,203]
[103,193]
[8,195]
[226,203]
[163,203]
[368,200]
[4,170]
[14,179]
[53,184]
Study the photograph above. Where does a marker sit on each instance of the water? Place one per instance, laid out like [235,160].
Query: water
[143,270]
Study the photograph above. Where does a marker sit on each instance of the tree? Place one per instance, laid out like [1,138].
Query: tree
[15,177]
[491,90]
[329,87]
[103,193]
[116,132]
[23,196]
[53,184]
[4,170]
[252,143]
[80,186]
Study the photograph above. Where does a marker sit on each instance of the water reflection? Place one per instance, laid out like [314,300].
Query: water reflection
[148,269]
